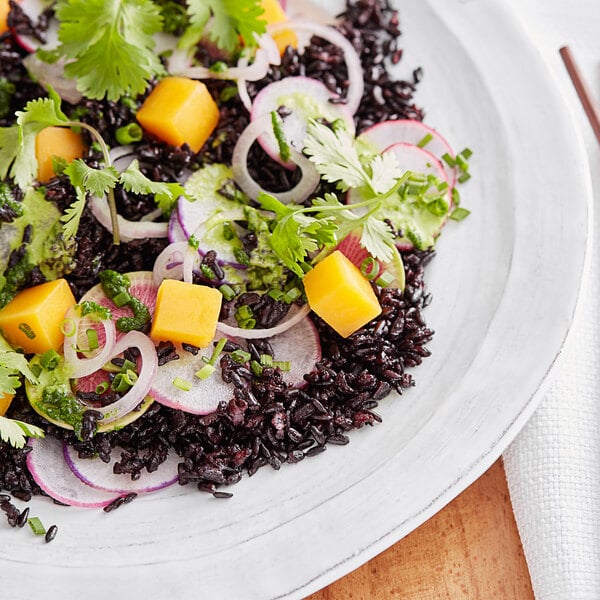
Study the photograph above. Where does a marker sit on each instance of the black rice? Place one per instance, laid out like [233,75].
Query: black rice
[266,422]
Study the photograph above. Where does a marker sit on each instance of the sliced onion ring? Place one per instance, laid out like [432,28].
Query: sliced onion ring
[239,165]
[81,367]
[169,263]
[353,64]
[140,389]
[129,230]
[257,334]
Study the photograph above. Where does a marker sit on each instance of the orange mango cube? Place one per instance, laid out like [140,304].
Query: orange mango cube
[4,9]
[5,400]
[339,293]
[273,14]
[56,142]
[180,111]
[186,313]
[32,319]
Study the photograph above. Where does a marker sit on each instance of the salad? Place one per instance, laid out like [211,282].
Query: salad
[215,220]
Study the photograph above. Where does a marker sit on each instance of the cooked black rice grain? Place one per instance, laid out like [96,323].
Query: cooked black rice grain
[265,422]
[51,533]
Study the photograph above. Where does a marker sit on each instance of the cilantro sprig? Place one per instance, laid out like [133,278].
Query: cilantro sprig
[109,45]
[16,432]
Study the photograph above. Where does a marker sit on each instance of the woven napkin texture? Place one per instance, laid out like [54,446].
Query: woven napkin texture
[553,467]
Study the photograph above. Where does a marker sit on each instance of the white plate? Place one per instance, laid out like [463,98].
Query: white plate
[505,284]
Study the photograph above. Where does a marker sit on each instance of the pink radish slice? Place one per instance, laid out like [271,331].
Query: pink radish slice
[47,465]
[205,394]
[386,134]
[306,98]
[300,346]
[33,9]
[99,475]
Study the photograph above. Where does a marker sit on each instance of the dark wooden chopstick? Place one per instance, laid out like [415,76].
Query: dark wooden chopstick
[590,106]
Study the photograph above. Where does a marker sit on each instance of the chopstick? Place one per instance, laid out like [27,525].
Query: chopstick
[590,106]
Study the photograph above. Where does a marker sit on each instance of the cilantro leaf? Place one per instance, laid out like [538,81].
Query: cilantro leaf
[378,238]
[95,181]
[231,19]
[12,364]
[72,216]
[16,432]
[165,194]
[109,45]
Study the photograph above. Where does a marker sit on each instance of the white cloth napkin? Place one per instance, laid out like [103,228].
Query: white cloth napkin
[553,467]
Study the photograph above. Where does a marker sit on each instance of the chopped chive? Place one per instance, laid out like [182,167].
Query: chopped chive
[256,368]
[291,295]
[102,387]
[228,232]
[182,384]
[370,268]
[247,324]
[275,294]
[27,330]
[92,338]
[426,139]
[242,257]
[121,383]
[228,93]
[385,279]
[121,299]
[466,153]
[240,356]
[129,134]
[205,372]
[36,370]
[442,187]
[193,242]
[227,291]
[266,360]
[455,197]
[282,365]
[207,272]
[128,365]
[36,526]
[243,313]
[449,160]
[464,177]
[217,351]
[284,147]
[458,214]
[218,67]
[462,163]
[50,359]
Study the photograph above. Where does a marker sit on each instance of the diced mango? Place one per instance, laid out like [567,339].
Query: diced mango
[32,319]
[5,400]
[275,14]
[180,111]
[339,293]
[4,10]
[186,313]
[56,142]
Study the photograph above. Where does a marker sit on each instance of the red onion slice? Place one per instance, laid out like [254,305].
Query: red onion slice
[355,72]
[128,230]
[295,315]
[300,192]
[140,389]
[81,367]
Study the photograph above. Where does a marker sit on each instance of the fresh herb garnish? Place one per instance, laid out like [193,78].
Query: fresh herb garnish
[16,432]
[109,45]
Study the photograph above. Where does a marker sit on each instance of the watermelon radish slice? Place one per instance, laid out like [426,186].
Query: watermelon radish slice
[350,247]
[47,465]
[383,135]
[306,99]
[100,475]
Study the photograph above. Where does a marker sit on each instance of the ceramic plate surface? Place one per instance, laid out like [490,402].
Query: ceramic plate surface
[505,283]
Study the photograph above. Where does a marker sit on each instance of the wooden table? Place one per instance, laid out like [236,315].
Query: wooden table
[470,550]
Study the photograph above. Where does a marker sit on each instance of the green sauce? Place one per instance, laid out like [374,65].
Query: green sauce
[116,287]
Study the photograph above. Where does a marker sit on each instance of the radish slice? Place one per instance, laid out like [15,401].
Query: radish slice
[355,71]
[295,315]
[128,230]
[80,367]
[46,463]
[205,394]
[307,99]
[300,192]
[53,74]
[386,134]
[33,9]
[100,475]
[300,346]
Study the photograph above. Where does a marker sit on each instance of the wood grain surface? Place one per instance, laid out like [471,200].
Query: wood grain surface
[470,550]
